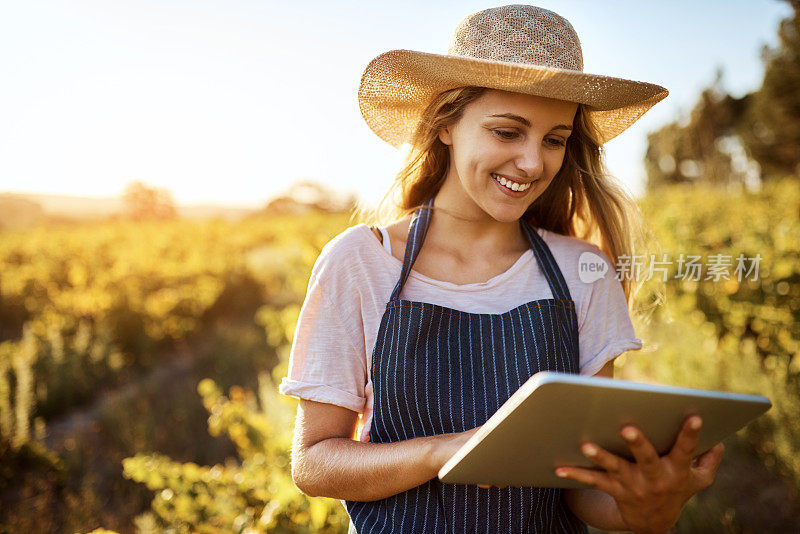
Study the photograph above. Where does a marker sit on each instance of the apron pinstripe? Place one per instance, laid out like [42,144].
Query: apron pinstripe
[437,370]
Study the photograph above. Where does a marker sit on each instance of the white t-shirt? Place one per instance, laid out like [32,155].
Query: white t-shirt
[353,278]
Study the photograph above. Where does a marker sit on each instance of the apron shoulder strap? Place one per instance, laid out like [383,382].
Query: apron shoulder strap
[416,236]
[547,263]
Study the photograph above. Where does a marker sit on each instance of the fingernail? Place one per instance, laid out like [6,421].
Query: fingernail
[629,433]
[695,423]
[589,450]
[561,473]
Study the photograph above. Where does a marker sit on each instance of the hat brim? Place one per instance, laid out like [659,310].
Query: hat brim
[398,85]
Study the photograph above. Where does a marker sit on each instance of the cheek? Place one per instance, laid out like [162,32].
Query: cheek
[555,162]
[486,157]
[474,158]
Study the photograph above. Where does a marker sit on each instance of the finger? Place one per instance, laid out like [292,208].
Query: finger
[705,468]
[683,450]
[484,486]
[614,465]
[646,455]
[596,479]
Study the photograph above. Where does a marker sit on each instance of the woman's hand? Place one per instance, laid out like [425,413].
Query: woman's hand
[448,444]
[650,492]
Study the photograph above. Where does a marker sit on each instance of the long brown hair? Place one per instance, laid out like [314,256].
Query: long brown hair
[582,201]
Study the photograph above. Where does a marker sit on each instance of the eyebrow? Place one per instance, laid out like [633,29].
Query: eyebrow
[527,123]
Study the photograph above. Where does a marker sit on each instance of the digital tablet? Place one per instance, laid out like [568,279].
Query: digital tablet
[543,424]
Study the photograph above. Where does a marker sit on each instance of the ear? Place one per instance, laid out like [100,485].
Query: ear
[445,136]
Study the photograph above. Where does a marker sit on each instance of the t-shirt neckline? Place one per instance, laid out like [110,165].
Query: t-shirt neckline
[496,280]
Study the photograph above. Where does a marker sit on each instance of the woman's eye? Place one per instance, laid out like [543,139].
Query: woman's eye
[509,134]
[505,134]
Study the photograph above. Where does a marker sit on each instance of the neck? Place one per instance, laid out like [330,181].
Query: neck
[462,228]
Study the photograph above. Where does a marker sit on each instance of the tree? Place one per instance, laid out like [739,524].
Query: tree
[308,195]
[705,146]
[771,126]
[727,141]
[144,202]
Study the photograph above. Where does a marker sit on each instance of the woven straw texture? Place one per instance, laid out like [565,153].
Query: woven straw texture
[517,48]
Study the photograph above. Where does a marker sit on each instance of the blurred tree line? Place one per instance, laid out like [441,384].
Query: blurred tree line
[729,141]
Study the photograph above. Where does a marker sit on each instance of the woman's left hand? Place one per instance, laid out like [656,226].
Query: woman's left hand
[650,492]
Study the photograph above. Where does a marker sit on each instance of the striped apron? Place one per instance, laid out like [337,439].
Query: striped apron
[437,370]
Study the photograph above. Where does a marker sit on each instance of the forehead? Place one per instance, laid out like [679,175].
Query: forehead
[495,101]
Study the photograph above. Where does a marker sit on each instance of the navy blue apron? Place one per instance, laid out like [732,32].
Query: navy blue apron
[437,370]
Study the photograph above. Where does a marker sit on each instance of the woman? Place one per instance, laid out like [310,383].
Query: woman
[504,188]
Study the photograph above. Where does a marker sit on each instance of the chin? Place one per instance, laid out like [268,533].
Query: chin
[508,214]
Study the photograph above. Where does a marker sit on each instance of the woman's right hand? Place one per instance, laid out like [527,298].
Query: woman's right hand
[448,444]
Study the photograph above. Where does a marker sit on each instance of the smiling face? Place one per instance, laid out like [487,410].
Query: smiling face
[506,137]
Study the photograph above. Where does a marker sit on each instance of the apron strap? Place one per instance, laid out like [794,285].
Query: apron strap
[547,263]
[416,236]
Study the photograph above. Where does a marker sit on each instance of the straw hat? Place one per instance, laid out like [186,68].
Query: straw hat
[519,48]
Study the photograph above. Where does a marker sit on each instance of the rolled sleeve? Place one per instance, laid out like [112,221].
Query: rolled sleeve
[326,363]
[321,393]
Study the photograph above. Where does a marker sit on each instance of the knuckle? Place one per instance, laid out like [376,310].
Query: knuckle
[652,461]
[639,493]
[659,490]
[615,465]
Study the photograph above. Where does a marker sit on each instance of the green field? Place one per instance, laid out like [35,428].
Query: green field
[139,363]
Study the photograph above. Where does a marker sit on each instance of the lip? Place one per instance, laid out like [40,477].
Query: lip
[509,192]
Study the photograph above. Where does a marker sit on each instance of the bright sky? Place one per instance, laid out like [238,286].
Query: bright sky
[231,101]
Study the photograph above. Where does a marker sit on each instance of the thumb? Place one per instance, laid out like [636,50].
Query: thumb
[705,466]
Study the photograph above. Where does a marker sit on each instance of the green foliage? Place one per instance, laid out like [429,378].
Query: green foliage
[730,334]
[256,495]
[102,299]
[16,360]
[95,308]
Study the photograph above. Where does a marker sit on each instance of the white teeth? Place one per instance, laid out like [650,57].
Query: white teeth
[514,186]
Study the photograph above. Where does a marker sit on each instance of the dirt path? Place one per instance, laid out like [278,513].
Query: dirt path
[76,423]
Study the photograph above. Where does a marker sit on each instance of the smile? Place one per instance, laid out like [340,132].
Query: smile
[514,186]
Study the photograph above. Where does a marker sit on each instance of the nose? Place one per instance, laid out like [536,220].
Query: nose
[530,159]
